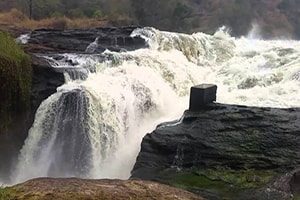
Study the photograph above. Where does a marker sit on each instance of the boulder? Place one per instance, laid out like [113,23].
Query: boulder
[221,141]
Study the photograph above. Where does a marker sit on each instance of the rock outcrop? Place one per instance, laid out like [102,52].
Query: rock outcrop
[250,145]
[45,188]
[45,81]
[79,41]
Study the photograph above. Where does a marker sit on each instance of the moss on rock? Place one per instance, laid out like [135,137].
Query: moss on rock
[15,80]
[227,183]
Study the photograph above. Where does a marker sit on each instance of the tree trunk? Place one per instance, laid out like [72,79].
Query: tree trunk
[30,9]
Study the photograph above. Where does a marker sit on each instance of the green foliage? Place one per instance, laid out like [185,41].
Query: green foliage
[5,194]
[75,13]
[237,15]
[175,15]
[10,49]
[227,183]
[56,14]
[98,14]
[41,8]
[15,80]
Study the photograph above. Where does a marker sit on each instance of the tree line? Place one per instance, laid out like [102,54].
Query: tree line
[275,17]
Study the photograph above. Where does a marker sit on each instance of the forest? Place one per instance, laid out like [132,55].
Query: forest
[276,18]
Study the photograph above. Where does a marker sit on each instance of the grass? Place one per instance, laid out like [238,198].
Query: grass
[5,194]
[16,19]
[15,80]
[10,49]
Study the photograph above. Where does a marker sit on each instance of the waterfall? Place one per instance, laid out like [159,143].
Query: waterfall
[93,125]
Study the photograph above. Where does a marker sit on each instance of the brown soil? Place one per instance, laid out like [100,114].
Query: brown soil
[75,189]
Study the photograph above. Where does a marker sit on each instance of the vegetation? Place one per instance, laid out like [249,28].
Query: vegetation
[276,18]
[21,21]
[227,183]
[15,80]
[5,194]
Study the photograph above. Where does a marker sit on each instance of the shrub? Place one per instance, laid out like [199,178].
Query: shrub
[98,14]
[76,13]
[12,17]
[56,14]
[59,23]
[17,15]
[4,194]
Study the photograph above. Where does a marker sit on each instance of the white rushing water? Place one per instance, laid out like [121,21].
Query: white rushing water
[93,126]
[23,39]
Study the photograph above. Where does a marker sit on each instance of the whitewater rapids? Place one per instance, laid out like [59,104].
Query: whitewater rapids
[93,125]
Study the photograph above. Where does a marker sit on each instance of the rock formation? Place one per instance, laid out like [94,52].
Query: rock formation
[46,189]
[58,41]
[223,150]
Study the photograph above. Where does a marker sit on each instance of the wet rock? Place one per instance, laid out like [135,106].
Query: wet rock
[222,136]
[58,41]
[284,187]
[45,81]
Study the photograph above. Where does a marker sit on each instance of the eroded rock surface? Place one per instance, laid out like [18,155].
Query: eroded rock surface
[79,41]
[46,188]
[236,145]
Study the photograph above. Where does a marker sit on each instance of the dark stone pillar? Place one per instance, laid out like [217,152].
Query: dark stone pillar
[202,95]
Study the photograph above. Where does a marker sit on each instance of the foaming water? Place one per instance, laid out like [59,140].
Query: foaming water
[255,32]
[247,71]
[93,126]
[23,39]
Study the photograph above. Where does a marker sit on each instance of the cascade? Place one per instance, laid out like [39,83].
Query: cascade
[93,125]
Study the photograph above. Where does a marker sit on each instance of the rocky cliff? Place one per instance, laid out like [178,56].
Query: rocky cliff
[225,151]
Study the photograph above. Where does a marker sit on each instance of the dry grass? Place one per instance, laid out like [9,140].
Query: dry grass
[18,20]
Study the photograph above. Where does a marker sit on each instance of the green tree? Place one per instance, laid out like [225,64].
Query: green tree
[180,16]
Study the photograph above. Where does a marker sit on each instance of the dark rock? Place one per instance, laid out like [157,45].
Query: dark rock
[72,63]
[45,81]
[202,95]
[114,39]
[223,136]
[284,187]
